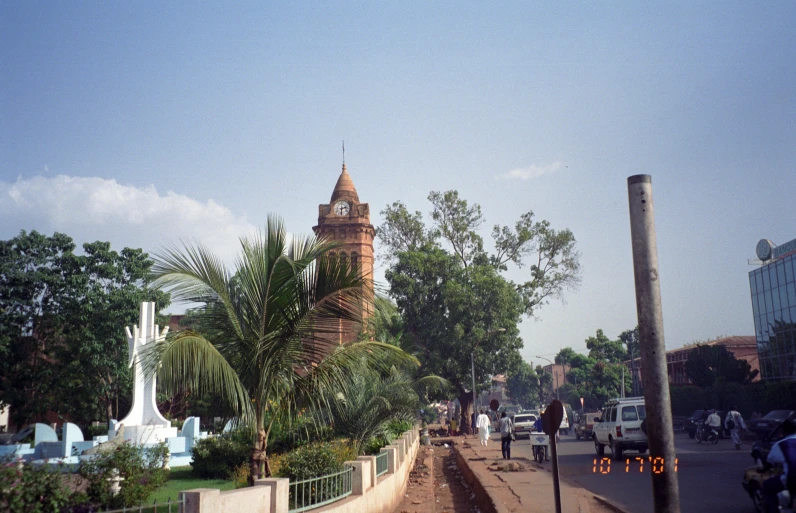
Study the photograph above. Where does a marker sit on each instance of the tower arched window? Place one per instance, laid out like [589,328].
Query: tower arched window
[354,259]
[343,257]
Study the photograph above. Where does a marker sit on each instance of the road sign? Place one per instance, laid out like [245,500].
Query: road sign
[552,417]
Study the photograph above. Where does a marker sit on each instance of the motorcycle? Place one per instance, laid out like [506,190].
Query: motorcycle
[539,441]
[707,434]
[755,476]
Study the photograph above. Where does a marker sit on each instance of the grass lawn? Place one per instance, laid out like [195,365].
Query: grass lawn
[182,478]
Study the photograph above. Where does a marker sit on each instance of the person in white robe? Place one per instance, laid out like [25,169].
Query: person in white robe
[482,424]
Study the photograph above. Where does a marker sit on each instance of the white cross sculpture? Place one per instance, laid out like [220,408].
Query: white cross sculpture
[144,423]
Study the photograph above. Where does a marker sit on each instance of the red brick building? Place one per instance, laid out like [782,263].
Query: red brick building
[741,347]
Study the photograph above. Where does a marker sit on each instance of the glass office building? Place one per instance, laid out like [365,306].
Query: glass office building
[773,290]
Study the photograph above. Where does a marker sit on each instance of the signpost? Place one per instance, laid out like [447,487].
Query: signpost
[551,421]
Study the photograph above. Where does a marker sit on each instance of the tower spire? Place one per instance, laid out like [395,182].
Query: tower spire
[344,152]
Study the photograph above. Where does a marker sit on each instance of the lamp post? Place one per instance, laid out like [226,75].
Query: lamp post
[472,358]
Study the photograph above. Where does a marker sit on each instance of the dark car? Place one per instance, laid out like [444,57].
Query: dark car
[763,426]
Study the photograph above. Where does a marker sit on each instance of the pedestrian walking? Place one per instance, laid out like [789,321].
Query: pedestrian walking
[735,424]
[482,424]
[506,432]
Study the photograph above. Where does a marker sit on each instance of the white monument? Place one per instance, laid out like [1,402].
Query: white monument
[144,424]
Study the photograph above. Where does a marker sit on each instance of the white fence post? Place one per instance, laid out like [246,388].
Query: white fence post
[280,493]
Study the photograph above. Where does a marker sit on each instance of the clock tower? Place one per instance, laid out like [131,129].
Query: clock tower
[347,221]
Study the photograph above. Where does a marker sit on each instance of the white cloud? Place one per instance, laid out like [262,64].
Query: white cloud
[532,171]
[90,209]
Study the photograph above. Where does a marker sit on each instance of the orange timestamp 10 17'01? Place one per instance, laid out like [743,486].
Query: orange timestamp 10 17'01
[656,465]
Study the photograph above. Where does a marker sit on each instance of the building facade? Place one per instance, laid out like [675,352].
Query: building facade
[773,292]
[741,347]
[559,373]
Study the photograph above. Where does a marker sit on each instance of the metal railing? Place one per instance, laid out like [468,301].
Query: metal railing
[381,464]
[316,492]
[172,506]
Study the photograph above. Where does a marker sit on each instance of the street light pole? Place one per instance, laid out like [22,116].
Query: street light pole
[551,372]
[472,358]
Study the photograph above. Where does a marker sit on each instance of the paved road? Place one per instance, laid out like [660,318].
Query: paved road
[709,475]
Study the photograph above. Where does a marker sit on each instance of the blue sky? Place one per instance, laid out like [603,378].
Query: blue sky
[142,124]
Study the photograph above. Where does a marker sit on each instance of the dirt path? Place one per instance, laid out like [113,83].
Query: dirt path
[452,494]
[436,485]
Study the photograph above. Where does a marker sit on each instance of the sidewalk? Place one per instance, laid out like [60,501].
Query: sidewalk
[528,490]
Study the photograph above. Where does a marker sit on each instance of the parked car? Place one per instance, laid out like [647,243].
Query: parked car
[584,427]
[765,425]
[523,425]
[620,427]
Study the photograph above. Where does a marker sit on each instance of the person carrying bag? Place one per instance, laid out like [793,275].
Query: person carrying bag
[506,435]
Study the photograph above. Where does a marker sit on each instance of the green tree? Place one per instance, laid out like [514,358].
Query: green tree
[373,401]
[633,348]
[564,358]
[450,291]
[522,383]
[602,348]
[545,384]
[105,297]
[34,271]
[708,365]
[401,231]
[62,315]
[266,344]
[594,380]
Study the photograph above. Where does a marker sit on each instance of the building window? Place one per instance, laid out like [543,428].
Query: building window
[354,260]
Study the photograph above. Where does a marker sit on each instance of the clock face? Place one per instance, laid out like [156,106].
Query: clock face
[764,249]
[341,208]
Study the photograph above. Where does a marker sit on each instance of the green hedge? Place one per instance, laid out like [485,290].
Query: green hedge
[761,397]
[217,457]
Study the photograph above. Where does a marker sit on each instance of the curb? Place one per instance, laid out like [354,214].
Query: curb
[607,503]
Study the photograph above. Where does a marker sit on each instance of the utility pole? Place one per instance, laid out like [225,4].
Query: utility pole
[665,489]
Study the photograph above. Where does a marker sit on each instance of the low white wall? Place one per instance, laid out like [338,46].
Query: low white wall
[272,494]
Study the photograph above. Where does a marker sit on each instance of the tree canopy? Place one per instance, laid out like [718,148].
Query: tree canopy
[712,364]
[62,318]
[450,291]
[602,348]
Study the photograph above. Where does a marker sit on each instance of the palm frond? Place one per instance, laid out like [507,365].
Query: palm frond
[189,361]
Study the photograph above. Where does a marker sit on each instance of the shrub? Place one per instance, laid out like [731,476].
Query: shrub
[240,475]
[397,427]
[217,457]
[430,414]
[141,468]
[374,445]
[32,489]
[313,460]
[96,430]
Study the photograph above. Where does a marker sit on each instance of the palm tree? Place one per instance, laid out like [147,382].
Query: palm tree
[375,399]
[267,328]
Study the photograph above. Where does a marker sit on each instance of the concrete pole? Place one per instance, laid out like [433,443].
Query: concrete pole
[665,488]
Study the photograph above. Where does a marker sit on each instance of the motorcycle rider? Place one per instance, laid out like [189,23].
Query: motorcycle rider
[783,453]
[713,423]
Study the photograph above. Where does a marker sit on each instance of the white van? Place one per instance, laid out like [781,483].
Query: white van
[620,427]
